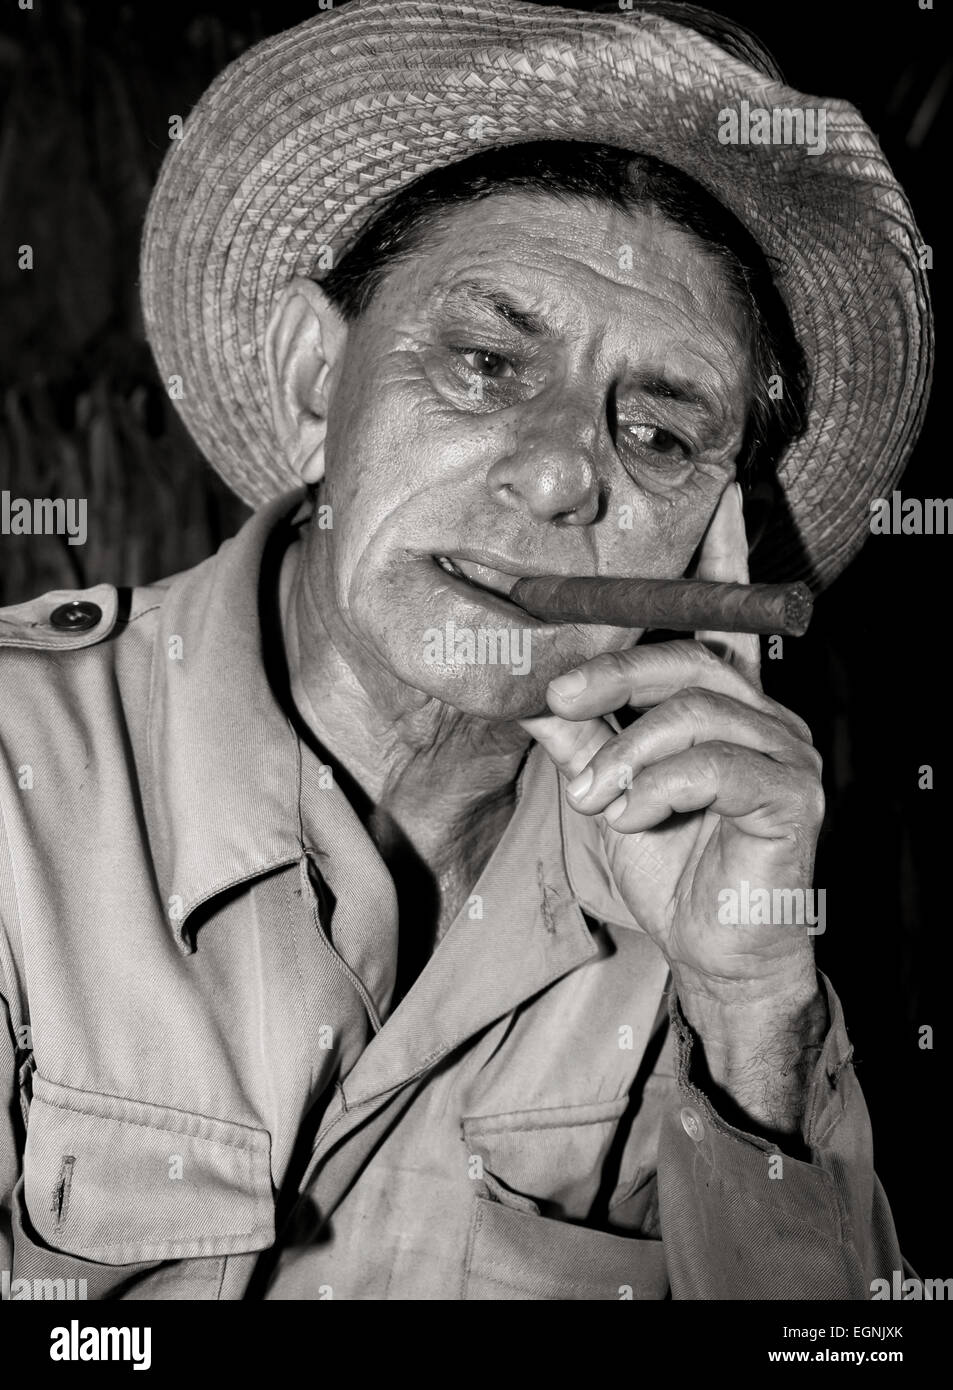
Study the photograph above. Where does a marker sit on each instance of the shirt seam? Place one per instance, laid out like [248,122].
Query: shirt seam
[155,1129]
[249,1146]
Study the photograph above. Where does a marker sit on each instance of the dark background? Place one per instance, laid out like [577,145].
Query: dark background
[86,93]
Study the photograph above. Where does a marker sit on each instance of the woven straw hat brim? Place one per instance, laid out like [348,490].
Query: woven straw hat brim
[297,142]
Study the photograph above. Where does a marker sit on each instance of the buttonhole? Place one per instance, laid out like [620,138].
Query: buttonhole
[62,1189]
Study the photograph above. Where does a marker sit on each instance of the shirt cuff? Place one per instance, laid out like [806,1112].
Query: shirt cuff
[744,1218]
[825,1100]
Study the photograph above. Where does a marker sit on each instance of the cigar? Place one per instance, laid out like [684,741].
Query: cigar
[682,605]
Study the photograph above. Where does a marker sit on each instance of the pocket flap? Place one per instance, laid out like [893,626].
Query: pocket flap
[553,1155]
[121,1181]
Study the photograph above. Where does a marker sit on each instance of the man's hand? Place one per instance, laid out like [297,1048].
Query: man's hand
[714,785]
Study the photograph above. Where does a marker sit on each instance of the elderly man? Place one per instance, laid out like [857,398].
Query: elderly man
[363,935]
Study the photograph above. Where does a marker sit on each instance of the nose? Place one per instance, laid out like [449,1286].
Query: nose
[551,470]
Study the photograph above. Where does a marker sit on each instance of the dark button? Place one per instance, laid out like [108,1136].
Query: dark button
[77,616]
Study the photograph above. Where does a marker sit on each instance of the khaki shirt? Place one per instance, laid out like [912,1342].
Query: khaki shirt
[210,1095]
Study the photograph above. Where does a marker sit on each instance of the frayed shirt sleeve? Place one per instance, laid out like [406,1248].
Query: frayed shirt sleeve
[741,1219]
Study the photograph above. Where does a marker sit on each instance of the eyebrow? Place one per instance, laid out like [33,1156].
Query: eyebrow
[664,386]
[499,303]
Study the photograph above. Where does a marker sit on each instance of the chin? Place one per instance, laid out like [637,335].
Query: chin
[497,696]
[492,689]
[479,654]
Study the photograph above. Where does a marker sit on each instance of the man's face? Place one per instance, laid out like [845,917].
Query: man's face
[550,388]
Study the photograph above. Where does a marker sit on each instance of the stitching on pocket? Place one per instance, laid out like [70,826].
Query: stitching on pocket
[529,1127]
[547,1117]
[155,1129]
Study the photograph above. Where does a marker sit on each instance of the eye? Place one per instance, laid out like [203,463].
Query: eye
[490,364]
[656,439]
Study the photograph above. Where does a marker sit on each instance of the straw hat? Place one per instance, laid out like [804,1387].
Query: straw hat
[298,141]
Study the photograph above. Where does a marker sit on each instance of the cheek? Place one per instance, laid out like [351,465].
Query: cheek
[395,443]
[369,451]
[389,435]
[397,458]
[653,534]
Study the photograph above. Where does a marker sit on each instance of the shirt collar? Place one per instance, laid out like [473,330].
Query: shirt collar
[226,760]
[231,774]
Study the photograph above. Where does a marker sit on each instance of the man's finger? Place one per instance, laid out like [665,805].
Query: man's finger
[724,557]
[763,797]
[689,718]
[645,676]
[570,745]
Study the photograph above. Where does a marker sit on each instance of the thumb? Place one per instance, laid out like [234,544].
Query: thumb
[570,743]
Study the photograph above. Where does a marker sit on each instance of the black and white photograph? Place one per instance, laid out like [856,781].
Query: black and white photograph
[475,735]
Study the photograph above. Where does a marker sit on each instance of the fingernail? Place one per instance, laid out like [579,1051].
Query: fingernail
[570,685]
[614,811]
[581,784]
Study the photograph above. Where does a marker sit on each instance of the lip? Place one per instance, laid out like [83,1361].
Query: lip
[501,567]
[489,577]
[491,573]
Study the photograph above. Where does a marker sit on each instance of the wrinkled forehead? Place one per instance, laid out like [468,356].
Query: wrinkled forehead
[608,283]
[590,251]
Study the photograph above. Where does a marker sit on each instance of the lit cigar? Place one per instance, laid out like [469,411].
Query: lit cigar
[682,605]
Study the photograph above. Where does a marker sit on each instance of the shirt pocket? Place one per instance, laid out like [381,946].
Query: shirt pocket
[538,1175]
[554,1155]
[514,1254]
[123,1182]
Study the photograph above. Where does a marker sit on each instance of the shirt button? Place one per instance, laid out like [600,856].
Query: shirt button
[77,616]
[691,1124]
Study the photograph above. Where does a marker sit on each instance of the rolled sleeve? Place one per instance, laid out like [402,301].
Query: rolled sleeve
[742,1219]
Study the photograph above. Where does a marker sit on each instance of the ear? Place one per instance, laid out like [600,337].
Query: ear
[305,339]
